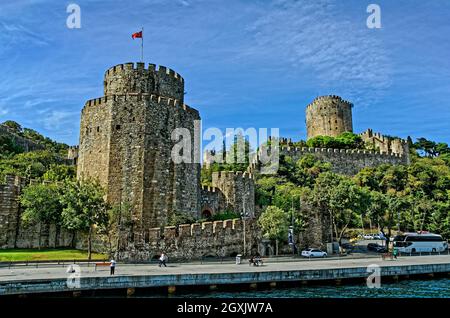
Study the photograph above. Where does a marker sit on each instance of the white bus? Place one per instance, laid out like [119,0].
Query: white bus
[423,242]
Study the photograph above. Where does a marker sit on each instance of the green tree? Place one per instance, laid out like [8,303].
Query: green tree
[59,173]
[8,147]
[342,199]
[265,190]
[307,169]
[427,147]
[84,209]
[41,203]
[346,140]
[31,165]
[377,208]
[274,225]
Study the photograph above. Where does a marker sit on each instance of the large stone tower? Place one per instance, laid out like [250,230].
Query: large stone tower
[126,144]
[328,116]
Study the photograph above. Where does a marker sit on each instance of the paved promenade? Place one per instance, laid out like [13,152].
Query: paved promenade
[54,278]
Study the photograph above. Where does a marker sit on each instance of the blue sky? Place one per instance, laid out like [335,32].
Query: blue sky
[245,63]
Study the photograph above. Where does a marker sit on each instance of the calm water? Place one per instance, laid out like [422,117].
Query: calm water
[438,288]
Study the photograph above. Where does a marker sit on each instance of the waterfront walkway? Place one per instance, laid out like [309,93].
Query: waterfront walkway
[23,279]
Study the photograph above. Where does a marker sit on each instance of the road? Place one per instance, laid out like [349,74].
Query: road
[28,273]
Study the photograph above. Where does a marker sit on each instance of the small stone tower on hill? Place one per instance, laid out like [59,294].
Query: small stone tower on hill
[125,143]
[328,116]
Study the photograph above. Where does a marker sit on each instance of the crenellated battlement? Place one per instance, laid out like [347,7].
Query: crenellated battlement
[210,189]
[321,99]
[140,67]
[13,181]
[137,78]
[136,97]
[72,154]
[328,116]
[204,230]
[347,161]
[304,150]
[392,145]
[382,138]
[232,174]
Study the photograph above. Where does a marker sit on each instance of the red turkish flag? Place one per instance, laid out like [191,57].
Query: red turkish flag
[137,35]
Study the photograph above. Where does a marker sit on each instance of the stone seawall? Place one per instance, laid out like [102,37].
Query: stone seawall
[141,276]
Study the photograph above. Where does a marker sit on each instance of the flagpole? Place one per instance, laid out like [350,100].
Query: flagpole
[142,45]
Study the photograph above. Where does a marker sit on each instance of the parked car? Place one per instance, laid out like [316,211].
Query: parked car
[311,252]
[381,249]
[374,247]
[368,236]
[347,246]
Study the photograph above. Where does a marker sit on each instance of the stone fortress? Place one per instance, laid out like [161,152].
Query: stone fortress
[332,116]
[126,143]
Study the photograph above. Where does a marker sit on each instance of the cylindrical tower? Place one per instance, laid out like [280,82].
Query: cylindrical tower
[328,116]
[130,78]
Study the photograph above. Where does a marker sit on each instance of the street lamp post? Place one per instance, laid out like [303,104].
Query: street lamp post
[244,219]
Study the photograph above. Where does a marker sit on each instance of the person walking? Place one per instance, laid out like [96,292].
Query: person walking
[395,252]
[162,260]
[112,267]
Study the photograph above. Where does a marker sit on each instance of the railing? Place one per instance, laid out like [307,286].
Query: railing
[48,263]
[217,259]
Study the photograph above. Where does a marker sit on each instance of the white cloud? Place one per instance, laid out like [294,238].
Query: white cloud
[341,55]
[57,119]
[3,111]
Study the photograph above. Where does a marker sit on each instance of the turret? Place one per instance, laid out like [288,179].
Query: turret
[328,116]
[136,78]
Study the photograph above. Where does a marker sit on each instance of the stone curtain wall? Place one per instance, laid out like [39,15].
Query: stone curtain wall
[25,144]
[12,232]
[328,116]
[195,241]
[9,211]
[345,161]
[213,201]
[238,189]
[386,144]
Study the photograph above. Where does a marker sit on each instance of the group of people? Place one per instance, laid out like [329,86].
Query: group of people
[255,260]
[161,261]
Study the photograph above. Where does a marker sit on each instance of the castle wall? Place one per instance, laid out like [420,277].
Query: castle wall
[238,189]
[26,144]
[328,116]
[72,155]
[94,148]
[346,161]
[12,232]
[386,144]
[213,201]
[194,241]
[318,230]
[9,211]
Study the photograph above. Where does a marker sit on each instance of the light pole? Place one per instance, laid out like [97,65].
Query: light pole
[244,219]
[119,225]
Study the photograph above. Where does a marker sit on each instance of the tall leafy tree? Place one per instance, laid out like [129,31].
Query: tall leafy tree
[85,209]
[274,224]
[41,203]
